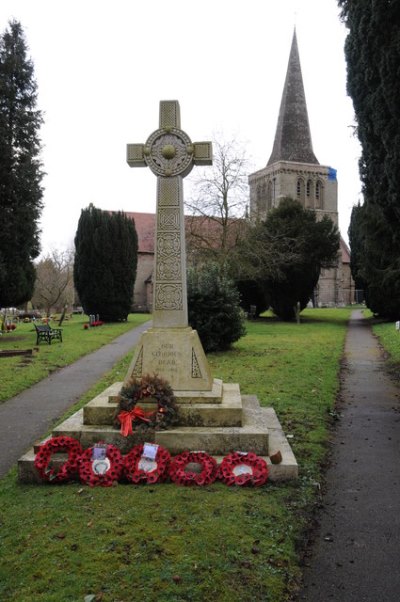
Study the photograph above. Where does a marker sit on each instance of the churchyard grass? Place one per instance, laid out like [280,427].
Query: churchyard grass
[389,338]
[20,372]
[165,543]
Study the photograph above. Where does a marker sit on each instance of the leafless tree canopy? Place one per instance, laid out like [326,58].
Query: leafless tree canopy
[217,205]
[54,281]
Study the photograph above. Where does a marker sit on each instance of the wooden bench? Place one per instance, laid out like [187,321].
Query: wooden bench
[46,333]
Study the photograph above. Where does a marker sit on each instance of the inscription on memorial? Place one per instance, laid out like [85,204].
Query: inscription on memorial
[167,358]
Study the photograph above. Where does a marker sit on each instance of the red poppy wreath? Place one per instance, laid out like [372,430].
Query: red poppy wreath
[140,468]
[151,389]
[182,473]
[104,468]
[57,445]
[243,469]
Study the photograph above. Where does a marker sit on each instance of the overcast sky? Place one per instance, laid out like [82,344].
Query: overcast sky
[103,66]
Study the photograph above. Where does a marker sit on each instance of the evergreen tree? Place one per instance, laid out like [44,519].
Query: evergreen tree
[214,307]
[314,246]
[105,263]
[20,169]
[373,57]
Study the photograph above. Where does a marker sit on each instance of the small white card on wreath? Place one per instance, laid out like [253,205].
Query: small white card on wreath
[150,451]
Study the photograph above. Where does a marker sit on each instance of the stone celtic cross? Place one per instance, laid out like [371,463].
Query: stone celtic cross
[170,154]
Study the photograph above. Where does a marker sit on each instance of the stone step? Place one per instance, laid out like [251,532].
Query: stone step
[214,395]
[260,433]
[286,470]
[102,409]
[252,435]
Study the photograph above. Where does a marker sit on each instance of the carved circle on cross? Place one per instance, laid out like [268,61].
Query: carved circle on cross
[169,152]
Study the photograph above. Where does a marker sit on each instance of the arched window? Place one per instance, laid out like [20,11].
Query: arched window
[309,194]
[300,190]
[264,192]
[319,195]
[269,195]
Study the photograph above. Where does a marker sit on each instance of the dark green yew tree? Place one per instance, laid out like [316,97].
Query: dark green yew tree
[373,81]
[314,245]
[105,263]
[20,169]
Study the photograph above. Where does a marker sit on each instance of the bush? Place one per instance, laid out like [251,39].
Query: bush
[214,310]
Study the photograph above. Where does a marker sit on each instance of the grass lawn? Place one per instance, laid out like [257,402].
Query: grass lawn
[389,338]
[19,372]
[165,543]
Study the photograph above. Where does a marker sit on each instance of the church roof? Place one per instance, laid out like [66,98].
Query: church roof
[293,136]
[205,229]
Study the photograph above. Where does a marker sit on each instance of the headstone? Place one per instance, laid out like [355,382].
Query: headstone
[171,348]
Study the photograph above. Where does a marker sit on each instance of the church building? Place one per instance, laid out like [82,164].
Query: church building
[294,171]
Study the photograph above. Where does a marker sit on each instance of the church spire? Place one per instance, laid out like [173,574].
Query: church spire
[293,136]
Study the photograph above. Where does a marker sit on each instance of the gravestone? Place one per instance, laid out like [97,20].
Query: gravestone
[170,348]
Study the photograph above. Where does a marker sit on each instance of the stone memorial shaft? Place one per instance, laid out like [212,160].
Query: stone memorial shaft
[169,345]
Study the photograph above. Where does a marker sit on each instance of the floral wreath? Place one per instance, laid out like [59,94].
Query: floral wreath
[145,388]
[52,446]
[242,468]
[179,475]
[104,471]
[138,468]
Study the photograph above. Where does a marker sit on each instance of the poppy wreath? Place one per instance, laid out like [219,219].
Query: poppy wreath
[147,388]
[181,476]
[133,467]
[243,469]
[68,468]
[105,479]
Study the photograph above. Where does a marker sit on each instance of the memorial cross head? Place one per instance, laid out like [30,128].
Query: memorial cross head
[169,151]
[170,154]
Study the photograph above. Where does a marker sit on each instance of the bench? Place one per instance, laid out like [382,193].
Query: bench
[46,333]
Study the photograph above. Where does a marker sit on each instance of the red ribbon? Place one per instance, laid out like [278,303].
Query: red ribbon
[126,419]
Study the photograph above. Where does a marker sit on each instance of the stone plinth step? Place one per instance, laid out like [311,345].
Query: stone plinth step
[214,395]
[260,433]
[88,434]
[286,470]
[102,409]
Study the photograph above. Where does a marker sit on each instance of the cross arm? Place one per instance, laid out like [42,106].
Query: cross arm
[135,155]
[202,153]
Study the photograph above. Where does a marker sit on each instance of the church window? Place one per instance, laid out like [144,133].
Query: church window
[273,190]
[263,191]
[269,195]
[319,190]
[300,190]
[309,193]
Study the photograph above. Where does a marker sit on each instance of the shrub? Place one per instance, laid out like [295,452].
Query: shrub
[214,310]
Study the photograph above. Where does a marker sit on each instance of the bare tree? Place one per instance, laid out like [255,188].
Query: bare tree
[54,288]
[218,205]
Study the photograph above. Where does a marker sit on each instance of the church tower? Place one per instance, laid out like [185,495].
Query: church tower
[294,171]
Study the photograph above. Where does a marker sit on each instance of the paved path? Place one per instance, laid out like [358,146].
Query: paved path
[29,415]
[356,554]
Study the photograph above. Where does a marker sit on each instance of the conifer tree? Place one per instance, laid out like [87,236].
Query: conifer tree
[373,56]
[20,169]
[314,245]
[105,263]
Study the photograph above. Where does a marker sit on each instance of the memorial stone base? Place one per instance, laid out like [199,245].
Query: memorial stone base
[218,421]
